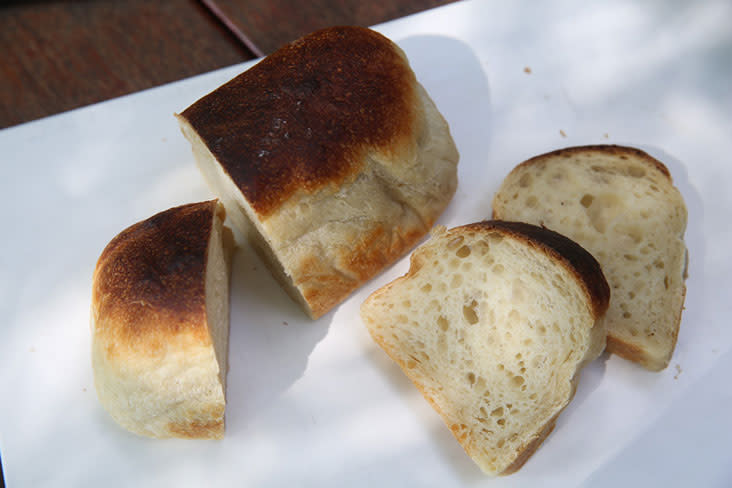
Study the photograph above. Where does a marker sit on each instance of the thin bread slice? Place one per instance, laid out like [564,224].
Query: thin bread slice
[620,204]
[493,323]
[160,323]
[330,156]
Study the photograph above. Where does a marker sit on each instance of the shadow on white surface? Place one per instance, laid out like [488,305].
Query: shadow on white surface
[270,340]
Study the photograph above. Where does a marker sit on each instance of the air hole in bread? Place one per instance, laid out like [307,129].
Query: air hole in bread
[586,200]
[525,180]
[457,280]
[532,201]
[401,318]
[633,331]
[443,323]
[665,282]
[630,257]
[636,172]
[631,295]
[426,288]
[497,412]
[498,269]
[658,264]
[463,252]
[501,443]
[470,313]
[627,315]
[518,380]
[501,422]
[471,378]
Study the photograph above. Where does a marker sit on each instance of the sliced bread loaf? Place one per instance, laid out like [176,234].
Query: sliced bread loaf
[620,204]
[493,323]
[160,323]
[330,157]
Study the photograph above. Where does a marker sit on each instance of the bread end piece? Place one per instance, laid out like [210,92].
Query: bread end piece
[328,192]
[160,322]
[493,323]
[620,204]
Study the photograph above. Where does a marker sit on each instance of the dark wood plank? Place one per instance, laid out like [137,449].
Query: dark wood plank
[60,55]
[271,23]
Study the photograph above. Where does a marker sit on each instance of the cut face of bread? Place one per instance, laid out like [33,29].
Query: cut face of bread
[493,323]
[329,156]
[620,204]
[160,323]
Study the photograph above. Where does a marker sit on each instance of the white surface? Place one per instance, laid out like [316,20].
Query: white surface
[316,403]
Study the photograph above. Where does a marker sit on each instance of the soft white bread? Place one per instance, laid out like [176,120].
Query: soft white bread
[620,204]
[330,156]
[160,323]
[493,323]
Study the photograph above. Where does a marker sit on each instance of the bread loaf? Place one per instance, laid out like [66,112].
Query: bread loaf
[160,322]
[330,156]
[621,205]
[493,323]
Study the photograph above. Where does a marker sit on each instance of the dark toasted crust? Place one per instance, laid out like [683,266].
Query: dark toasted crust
[304,117]
[623,152]
[582,264]
[149,282]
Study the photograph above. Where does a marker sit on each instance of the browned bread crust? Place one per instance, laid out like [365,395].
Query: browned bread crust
[330,157]
[622,152]
[580,262]
[158,344]
[266,126]
[149,280]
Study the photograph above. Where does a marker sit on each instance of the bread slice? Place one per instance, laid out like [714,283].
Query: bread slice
[493,323]
[620,204]
[330,156]
[160,323]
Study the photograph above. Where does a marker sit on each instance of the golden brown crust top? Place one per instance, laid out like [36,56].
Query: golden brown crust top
[149,282]
[582,264]
[303,117]
[623,152]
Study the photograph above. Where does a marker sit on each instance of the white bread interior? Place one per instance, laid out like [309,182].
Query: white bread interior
[494,333]
[622,206]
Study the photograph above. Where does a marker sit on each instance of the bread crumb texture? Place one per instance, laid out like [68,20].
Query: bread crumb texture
[492,325]
[621,205]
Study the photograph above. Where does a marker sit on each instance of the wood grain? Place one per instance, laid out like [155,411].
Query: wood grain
[271,23]
[62,55]
[59,55]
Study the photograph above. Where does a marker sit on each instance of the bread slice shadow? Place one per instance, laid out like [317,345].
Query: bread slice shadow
[270,340]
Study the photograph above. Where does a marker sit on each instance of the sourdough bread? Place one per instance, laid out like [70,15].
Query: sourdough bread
[621,205]
[330,156]
[493,323]
[160,322]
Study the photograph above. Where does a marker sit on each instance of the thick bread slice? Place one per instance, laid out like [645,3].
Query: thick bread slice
[160,323]
[330,156]
[620,204]
[493,323]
